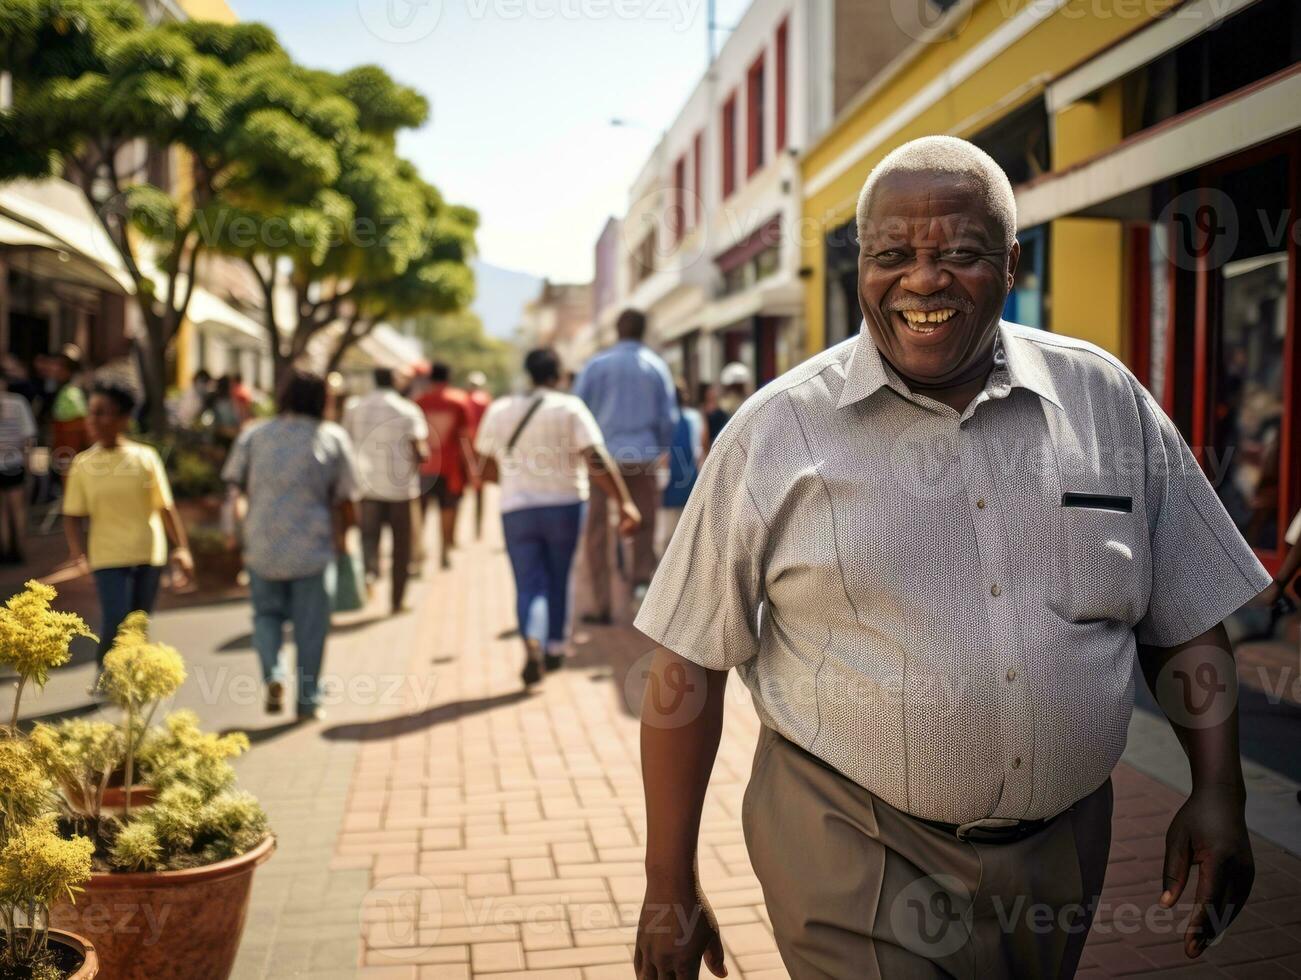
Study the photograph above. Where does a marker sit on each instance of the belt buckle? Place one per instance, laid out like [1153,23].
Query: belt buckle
[964,831]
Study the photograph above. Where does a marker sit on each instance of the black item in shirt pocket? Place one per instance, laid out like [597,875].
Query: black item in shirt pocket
[1099,501]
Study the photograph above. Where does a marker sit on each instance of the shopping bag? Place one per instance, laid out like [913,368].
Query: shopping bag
[349,596]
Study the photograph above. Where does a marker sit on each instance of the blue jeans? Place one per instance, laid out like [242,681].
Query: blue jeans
[541,542]
[123,590]
[305,602]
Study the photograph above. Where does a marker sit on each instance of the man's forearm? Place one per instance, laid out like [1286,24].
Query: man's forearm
[1195,684]
[682,722]
[605,474]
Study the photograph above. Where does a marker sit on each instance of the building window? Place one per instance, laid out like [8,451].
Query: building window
[1027,303]
[783,45]
[643,258]
[843,316]
[678,216]
[698,185]
[729,146]
[1019,142]
[754,134]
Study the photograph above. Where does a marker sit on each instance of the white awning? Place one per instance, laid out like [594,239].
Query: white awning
[385,347]
[72,224]
[1220,129]
[210,312]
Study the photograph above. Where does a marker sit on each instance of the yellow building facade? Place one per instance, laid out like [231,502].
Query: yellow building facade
[1155,147]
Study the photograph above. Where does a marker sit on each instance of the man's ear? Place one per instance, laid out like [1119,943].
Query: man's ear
[1013,255]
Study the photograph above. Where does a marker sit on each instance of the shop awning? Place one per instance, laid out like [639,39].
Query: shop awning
[92,257]
[213,313]
[1218,129]
[385,347]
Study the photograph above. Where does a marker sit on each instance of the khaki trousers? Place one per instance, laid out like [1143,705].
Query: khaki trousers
[645,492]
[858,889]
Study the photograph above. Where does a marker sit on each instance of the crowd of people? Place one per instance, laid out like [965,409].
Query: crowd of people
[607,456]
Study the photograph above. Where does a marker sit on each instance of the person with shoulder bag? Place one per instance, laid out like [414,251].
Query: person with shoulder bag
[545,449]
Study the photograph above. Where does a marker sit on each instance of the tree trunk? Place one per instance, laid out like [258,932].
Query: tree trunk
[153,362]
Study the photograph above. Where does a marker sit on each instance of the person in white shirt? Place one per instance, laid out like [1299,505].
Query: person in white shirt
[390,437]
[17,433]
[542,448]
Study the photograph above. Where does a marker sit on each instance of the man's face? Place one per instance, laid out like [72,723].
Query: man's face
[933,274]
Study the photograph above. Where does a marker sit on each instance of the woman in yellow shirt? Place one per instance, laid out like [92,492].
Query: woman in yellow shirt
[120,488]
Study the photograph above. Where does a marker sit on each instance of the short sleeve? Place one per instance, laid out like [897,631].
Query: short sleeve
[419,427]
[1202,568]
[160,488]
[488,439]
[703,603]
[236,469]
[347,484]
[586,433]
[75,499]
[26,423]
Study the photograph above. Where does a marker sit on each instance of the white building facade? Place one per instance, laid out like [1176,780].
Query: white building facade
[710,247]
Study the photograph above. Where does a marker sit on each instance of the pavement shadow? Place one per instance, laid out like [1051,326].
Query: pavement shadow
[243,642]
[260,736]
[386,728]
[618,655]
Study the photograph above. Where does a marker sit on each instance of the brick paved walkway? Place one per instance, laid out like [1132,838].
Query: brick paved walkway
[502,831]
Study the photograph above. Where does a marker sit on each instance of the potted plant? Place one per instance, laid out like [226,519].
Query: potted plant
[38,866]
[182,862]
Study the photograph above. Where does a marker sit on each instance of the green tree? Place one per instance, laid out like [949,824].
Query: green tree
[459,339]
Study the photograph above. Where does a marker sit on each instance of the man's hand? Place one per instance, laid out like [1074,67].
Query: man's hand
[676,930]
[629,518]
[1209,831]
[183,568]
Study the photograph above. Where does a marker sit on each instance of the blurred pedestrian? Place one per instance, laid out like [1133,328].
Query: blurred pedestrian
[544,447]
[690,444]
[17,435]
[630,392]
[735,381]
[241,396]
[69,432]
[194,401]
[390,438]
[443,474]
[480,399]
[224,415]
[120,488]
[300,478]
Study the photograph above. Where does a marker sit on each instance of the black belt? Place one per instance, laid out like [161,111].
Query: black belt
[991,830]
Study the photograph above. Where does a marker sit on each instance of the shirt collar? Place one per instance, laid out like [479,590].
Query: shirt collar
[868,371]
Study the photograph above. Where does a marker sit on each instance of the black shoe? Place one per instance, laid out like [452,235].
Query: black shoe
[275,698]
[554,662]
[532,673]
[597,619]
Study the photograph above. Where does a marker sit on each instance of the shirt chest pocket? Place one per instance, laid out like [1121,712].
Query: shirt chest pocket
[1104,566]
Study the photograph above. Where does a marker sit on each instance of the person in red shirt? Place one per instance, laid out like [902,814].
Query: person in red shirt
[480,399]
[443,474]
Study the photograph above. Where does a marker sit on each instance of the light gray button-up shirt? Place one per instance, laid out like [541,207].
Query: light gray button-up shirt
[944,606]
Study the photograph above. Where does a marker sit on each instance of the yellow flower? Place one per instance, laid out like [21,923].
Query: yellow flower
[33,637]
[137,673]
[38,866]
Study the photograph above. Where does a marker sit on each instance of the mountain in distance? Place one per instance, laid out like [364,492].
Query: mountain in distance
[500,295]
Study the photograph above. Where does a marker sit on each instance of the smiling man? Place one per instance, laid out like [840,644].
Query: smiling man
[933,554]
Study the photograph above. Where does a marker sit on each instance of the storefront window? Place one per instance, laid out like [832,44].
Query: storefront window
[1246,415]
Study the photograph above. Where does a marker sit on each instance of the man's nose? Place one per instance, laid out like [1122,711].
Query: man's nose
[925,275]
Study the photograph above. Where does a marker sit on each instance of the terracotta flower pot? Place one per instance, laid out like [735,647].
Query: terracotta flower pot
[167,925]
[74,954]
[81,947]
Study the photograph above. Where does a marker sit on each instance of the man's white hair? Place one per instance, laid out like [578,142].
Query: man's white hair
[947,155]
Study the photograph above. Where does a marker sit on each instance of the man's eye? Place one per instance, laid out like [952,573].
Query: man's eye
[889,257]
[959,255]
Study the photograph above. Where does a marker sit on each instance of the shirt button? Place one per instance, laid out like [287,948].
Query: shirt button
[1016,763]
[1011,675]
[995,590]
[981,503]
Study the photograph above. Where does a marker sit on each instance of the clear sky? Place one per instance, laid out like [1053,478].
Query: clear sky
[522,93]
